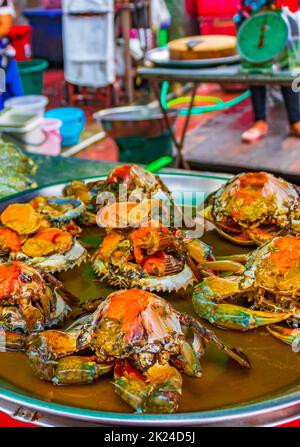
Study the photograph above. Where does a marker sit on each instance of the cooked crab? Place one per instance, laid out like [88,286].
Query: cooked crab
[30,300]
[139,251]
[27,236]
[16,170]
[136,184]
[252,208]
[138,335]
[23,219]
[269,280]
[58,210]
[52,250]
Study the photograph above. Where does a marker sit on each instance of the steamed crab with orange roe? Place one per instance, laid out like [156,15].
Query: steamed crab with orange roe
[137,183]
[252,208]
[27,236]
[60,211]
[138,252]
[30,301]
[269,281]
[137,335]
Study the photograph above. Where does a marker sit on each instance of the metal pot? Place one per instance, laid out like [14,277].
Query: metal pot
[134,121]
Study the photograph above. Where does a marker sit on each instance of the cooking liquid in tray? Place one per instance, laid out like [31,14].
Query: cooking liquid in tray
[275,366]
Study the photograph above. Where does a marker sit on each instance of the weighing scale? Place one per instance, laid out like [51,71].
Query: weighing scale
[261,40]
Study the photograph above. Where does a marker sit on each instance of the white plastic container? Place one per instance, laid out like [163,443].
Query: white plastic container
[28,105]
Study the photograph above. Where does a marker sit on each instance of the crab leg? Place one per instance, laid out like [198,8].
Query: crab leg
[241,258]
[210,336]
[11,341]
[33,317]
[79,370]
[289,336]
[91,305]
[157,391]
[52,356]
[222,266]
[59,285]
[229,316]
[11,319]
[188,361]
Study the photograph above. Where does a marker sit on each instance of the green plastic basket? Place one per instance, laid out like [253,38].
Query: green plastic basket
[144,150]
[32,75]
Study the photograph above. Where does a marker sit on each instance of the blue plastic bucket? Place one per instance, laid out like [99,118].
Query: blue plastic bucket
[73,120]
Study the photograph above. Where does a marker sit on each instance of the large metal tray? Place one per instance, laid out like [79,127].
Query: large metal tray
[160,57]
[272,410]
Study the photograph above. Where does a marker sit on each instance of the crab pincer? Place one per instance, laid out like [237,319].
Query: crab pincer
[54,357]
[208,301]
[158,391]
[288,335]
[12,341]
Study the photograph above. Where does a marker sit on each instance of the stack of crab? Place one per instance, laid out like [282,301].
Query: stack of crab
[138,335]
[255,209]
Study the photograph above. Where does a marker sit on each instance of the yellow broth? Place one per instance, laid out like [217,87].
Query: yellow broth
[275,367]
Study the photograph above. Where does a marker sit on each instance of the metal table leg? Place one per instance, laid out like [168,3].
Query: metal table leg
[178,143]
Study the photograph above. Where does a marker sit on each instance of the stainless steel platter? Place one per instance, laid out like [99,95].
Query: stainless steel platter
[160,57]
[272,409]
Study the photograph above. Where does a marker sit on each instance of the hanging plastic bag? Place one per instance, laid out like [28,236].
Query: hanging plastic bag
[160,16]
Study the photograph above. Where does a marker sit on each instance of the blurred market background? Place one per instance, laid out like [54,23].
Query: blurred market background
[50,43]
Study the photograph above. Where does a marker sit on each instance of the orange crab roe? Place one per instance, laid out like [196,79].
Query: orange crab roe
[154,264]
[127,305]
[287,253]
[250,188]
[120,173]
[10,240]
[9,273]
[257,179]
[48,242]
[22,218]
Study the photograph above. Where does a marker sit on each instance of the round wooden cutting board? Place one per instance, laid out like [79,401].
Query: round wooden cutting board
[202,47]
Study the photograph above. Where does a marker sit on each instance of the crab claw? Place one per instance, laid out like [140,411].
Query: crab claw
[229,316]
[79,370]
[158,391]
[51,356]
[289,336]
[209,336]
[11,341]
[188,361]
[220,266]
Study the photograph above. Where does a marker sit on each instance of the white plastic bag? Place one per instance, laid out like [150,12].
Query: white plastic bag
[160,15]
[83,6]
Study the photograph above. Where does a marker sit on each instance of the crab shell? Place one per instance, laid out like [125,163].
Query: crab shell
[146,321]
[275,267]
[254,199]
[140,184]
[43,206]
[24,295]
[137,178]
[120,278]
[57,262]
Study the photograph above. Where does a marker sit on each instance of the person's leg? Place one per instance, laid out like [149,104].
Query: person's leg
[292,104]
[259,100]
[260,127]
